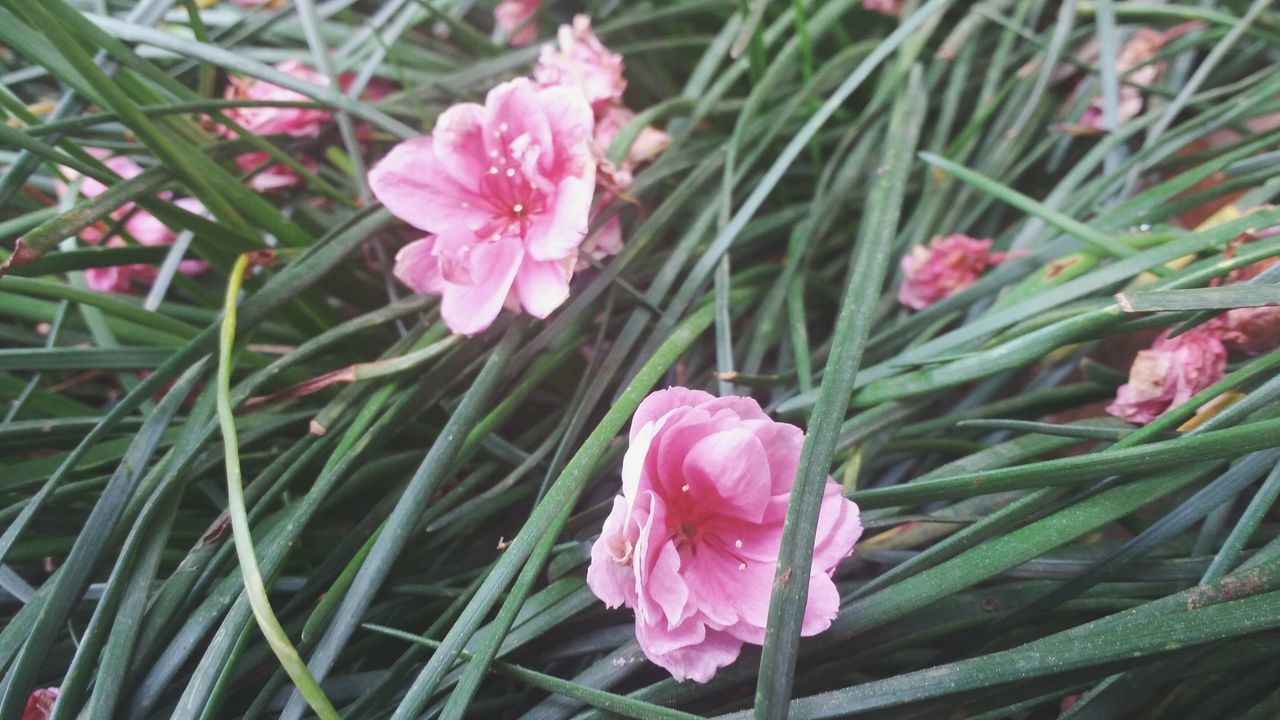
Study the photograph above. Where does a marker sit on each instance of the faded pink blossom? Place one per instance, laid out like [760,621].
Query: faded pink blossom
[291,121]
[946,266]
[141,225]
[264,120]
[578,59]
[1252,330]
[505,191]
[514,19]
[648,144]
[1170,372]
[888,7]
[40,704]
[1137,71]
[691,544]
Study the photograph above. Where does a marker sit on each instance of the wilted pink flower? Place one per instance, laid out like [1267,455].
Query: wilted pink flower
[1170,372]
[514,19]
[40,704]
[578,59]
[1136,68]
[1252,330]
[946,266]
[692,542]
[888,7]
[505,190]
[141,225]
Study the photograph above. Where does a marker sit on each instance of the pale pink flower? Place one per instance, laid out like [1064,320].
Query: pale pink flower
[40,704]
[1170,372]
[514,19]
[264,120]
[946,266]
[578,59]
[888,7]
[692,543]
[649,143]
[141,225]
[291,121]
[505,191]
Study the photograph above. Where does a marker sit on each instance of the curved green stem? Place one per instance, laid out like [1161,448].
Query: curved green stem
[253,585]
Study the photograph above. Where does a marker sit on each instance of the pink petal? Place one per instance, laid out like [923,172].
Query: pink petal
[419,268]
[469,309]
[543,285]
[610,575]
[693,660]
[515,110]
[663,401]
[558,233]
[460,143]
[417,188]
[730,470]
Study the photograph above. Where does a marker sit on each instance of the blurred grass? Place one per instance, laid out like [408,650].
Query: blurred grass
[455,500]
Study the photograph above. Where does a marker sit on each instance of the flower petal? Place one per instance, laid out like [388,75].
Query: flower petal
[469,309]
[417,188]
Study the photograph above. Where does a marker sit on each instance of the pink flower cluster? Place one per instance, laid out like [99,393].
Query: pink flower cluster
[265,120]
[139,224]
[691,544]
[946,266]
[505,190]
[1173,369]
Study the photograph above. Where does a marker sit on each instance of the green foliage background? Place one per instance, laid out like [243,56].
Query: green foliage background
[424,530]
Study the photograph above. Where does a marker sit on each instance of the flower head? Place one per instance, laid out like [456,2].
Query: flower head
[139,224]
[888,7]
[946,266]
[505,191]
[1170,372]
[692,542]
[579,59]
[40,704]
[514,19]
[265,120]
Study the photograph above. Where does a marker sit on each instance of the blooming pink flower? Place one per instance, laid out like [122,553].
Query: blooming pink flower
[579,59]
[1170,372]
[40,704]
[141,225]
[505,190]
[514,19]
[692,542]
[946,266]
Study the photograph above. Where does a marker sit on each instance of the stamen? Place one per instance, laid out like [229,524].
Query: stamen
[742,566]
[502,127]
[517,208]
[737,544]
[511,172]
[684,488]
[493,170]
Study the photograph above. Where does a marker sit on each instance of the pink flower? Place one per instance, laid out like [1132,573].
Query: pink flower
[265,120]
[580,60]
[946,266]
[141,225]
[692,542]
[1252,330]
[1170,372]
[648,144]
[505,191]
[294,122]
[514,19]
[888,7]
[40,704]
